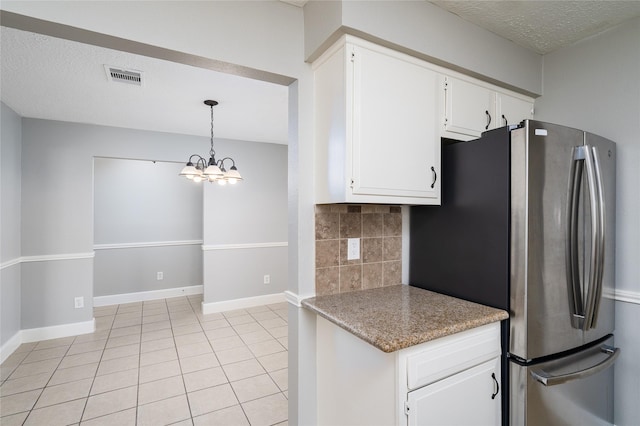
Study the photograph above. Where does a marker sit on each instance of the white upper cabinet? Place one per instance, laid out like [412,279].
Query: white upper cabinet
[472,107]
[376,127]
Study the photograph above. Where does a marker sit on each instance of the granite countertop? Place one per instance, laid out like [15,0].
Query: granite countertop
[397,317]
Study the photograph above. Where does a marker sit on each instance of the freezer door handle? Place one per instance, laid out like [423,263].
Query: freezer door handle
[551,380]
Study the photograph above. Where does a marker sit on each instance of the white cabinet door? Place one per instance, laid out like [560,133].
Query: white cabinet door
[469,108]
[395,137]
[512,110]
[470,397]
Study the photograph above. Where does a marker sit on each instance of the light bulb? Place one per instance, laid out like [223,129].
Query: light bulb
[197,178]
[232,181]
[222,182]
[189,176]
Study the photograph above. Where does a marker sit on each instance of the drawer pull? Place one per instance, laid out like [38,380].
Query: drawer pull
[496,387]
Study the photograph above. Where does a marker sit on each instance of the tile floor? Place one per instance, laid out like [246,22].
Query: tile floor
[154,363]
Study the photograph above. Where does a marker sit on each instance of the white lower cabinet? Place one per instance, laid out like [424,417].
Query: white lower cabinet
[453,380]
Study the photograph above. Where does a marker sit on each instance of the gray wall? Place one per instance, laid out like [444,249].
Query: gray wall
[252,214]
[145,204]
[10,184]
[595,85]
[426,31]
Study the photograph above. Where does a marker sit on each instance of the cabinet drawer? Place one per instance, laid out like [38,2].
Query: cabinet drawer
[454,354]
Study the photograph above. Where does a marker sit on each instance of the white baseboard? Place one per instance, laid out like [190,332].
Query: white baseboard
[141,296]
[247,302]
[9,347]
[57,331]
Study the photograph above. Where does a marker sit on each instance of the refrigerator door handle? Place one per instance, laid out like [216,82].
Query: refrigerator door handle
[596,263]
[551,380]
[601,240]
[576,306]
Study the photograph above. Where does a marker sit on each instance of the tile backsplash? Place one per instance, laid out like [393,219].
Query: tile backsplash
[380,231]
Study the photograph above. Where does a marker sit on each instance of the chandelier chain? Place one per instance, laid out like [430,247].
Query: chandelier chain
[212,152]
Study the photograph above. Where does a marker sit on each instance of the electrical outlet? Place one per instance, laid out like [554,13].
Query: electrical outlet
[79,302]
[159,276]
[353,248]
[267,279]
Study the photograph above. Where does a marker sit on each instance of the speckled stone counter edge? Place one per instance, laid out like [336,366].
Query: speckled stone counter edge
[397,317]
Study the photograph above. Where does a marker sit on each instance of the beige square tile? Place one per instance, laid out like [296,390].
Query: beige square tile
[121,418]
[119,323]
[118,364]
[263,315]
[199,362]
[160,389]
[215,324]
[195,349]
[54,343]
[371,275]
[235,313]
[164,412]
[155,357]
[156,345]
[267,411]
[113,381]
[392,225]
[60,414]
[79,348]
[186,329]
[219,333]
[65,375]
[254,388]
[241,319]
[274,362]
[284,341]
[247,328]
[266,348]
[327,281]
[392,273]
[130,339]
[234,355]
[281,377]
[15,419]
[80,359]
[44,354]
[191,338]
[279,331]
[128,315]
[154,326]
[92,337]
[23,384]
[257,309]
[110,402]
[17,403]
[371,225]
[155,318]
[125,331]
[350,278]
[104,323]
[243,369]
[211,317]
[211,399]
[227,416]
[204,379]
[256,336]
[148,336]
[65,392]
[160,370]
[327,225]
[392,248]
[121,351]
[371,250]
[327,253]
[223,343]
[273,323]
[33,368]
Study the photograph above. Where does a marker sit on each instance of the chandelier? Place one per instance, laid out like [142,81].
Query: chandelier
[212,170]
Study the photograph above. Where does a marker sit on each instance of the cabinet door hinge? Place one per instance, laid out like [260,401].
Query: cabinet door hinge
[353,183]
[353,56]
[406,408]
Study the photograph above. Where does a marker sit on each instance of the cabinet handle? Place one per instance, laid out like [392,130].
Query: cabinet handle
[506,123]
[435,177]
[488,120]
[497,386]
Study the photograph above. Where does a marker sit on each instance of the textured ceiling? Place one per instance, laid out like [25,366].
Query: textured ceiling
[544,26]
[50,78]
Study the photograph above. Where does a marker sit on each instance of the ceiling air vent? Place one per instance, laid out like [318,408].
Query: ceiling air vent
[120,75]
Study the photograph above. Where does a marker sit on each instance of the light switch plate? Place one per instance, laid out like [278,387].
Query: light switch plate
[353,248]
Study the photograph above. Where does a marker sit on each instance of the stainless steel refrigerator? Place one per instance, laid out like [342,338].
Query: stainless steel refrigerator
[527,224]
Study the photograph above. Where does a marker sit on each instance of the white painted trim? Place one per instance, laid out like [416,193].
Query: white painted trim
[244,246]
[10,346]
[247,302]
[57,331]
[294,299]
[10,263]
[51,257]
[627,296]
[141,296]
[148,244]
